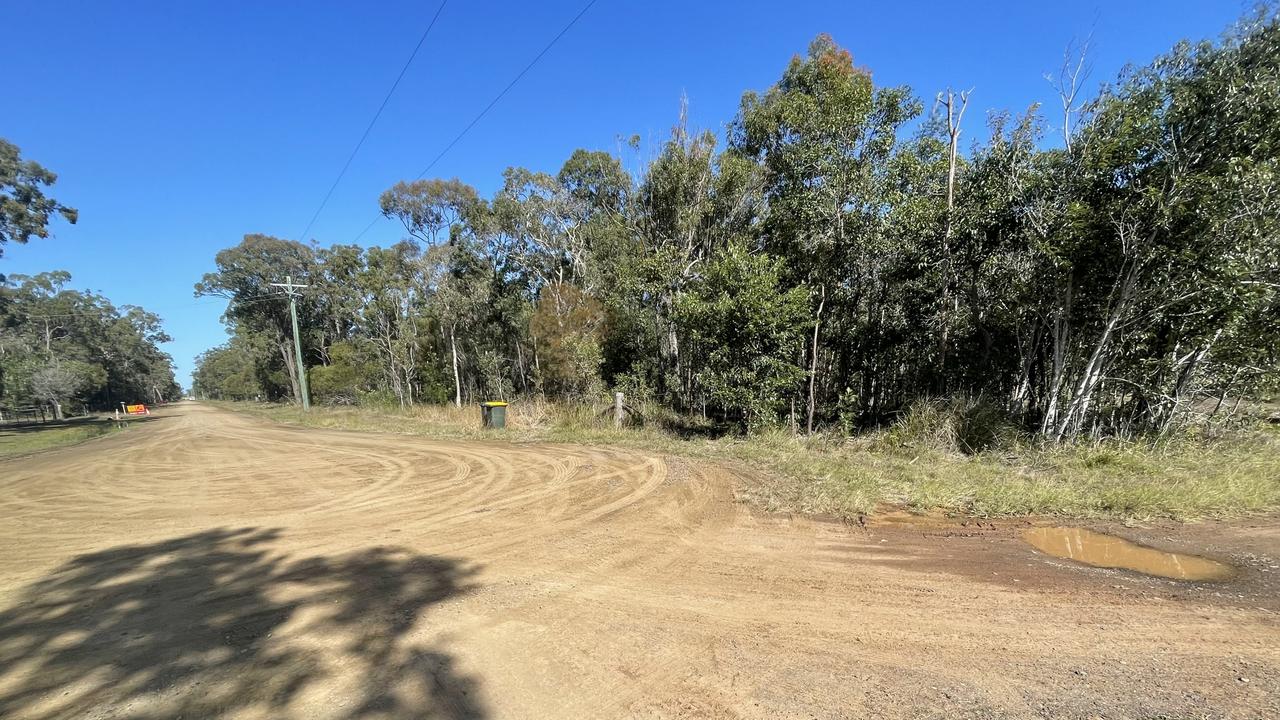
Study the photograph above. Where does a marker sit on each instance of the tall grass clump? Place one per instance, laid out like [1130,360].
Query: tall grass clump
[955,425]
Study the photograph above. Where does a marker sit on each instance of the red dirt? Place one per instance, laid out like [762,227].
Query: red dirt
[209,565]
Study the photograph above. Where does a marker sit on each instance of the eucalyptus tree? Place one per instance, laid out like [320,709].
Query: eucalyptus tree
[559,237]
[336,295]
[545,226]
[59,345]
[394,304]
[431,210]
[744,327]
[244,275]
[56,383]
[1178,162]
[457,282]
[827,261]
[690,203]
[441,213]
[227,372]
[51,358]
[25,210]
[998,263]
[824,135]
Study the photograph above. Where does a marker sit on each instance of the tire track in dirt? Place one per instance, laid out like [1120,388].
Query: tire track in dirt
[607,583]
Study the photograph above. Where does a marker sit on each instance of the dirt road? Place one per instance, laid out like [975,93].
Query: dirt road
[208,565]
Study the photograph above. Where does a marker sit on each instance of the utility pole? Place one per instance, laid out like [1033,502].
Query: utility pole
[291,290]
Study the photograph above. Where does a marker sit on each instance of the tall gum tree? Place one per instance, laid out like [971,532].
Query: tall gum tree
[824,135]
[440,213]
[244,275]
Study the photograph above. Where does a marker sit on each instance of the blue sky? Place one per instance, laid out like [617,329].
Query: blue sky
[176,128]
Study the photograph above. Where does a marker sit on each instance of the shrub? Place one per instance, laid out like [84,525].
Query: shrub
[958,424]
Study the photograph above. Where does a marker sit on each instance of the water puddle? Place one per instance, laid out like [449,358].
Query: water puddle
[1108,551]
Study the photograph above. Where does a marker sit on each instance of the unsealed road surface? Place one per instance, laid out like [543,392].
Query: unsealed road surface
[209,565]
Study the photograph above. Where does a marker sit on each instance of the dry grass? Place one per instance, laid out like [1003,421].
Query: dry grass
[28,438]
[829,475]
[1184,481]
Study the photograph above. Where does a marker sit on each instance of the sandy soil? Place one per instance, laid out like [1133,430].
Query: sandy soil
[209,565]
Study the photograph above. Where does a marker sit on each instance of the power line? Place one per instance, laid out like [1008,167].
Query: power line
[87,313]
[479,116]
[303,236]
[154,310]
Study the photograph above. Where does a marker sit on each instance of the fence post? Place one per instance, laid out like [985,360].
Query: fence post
[617,409]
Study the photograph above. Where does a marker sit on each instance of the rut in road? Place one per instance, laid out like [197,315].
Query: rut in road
[207,564]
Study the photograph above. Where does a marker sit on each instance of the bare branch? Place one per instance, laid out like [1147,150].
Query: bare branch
[1075,70]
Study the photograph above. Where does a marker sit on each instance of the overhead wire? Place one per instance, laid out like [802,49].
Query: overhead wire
[364,136]
[210,300]
[485,111]
[445,150]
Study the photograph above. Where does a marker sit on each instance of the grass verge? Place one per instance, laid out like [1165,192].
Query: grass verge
[28,438]
[847,477]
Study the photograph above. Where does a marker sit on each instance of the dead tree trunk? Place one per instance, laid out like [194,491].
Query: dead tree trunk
[955,103]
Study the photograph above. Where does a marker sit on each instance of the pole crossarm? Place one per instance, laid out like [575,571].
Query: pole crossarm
[290,287]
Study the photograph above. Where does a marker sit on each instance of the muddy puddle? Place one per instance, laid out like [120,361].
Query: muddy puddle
[1108,551]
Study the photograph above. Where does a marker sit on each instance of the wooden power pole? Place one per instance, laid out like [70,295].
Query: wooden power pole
[291,289]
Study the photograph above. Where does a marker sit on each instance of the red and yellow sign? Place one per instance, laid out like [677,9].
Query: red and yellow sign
[136,409]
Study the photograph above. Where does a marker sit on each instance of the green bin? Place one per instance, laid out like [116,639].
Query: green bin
[494,414]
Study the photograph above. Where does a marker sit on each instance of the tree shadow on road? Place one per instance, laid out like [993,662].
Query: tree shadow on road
[215,624]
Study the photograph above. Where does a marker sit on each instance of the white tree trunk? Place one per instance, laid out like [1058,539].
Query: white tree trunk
[813,361]
[1061,334]
[955,114]
[1078,410]
[286,352]
[457,382]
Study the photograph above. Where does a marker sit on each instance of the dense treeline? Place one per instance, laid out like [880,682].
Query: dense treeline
[839,258]
[61,347]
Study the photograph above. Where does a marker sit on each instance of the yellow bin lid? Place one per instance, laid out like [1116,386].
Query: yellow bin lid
[494,403]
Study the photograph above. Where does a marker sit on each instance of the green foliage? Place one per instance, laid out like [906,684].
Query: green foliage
[746,329]
[227,373]
[431,210]
[57,382]
[567,325]
[25,210]
[345,378]
[824,265]
[61,346]
[256,309]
